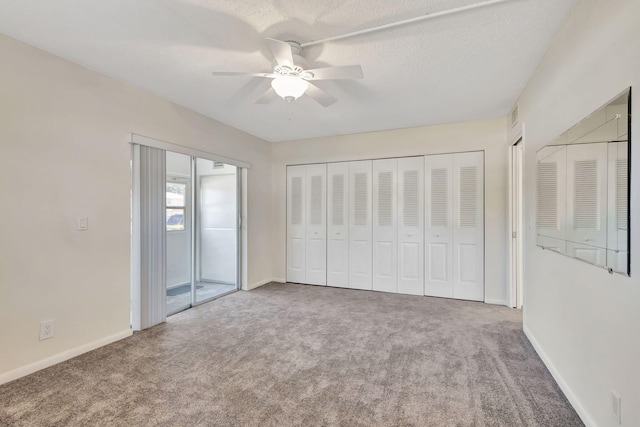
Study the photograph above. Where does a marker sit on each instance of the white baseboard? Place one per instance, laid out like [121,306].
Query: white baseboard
[581,411]
[61,357]
[497,302]
[258,284]
[264,282]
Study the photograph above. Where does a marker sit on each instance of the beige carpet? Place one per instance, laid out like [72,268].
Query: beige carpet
[295,355]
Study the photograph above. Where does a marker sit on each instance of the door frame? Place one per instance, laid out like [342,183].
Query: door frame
[139,305]
[515,229]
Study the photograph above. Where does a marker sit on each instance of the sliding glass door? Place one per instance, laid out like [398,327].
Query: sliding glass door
[185,228]
[179,231]
[216,229]
[201,230]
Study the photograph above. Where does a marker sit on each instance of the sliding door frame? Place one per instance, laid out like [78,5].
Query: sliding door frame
[241,235]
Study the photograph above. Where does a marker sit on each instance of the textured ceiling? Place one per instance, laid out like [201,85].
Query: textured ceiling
[459,67]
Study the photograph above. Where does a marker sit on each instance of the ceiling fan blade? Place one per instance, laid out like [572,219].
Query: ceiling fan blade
[337,73]
[320,96]
[281,52]
[267,97]
[239,73]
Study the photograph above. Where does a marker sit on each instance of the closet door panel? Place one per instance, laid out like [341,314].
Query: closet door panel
[438,174]
[468,231]
[360,224]
[440,264]
[551,187]
[385,225]
[316,225]
[587,194]
[338,224]
[411,225]
[296,236]
[590,254]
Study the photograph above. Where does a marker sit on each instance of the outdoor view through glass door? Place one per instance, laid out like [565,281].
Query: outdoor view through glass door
[216,231]
[202,232]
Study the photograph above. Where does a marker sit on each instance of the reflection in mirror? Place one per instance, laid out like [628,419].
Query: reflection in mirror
[583,188]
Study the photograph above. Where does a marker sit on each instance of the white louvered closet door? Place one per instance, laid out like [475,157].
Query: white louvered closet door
[360,224]
[385,225]
[468,222]
[411,225]
[438,177]
[618,217]
[338,224]
[551,193]
[587,202]
[296,236]
[316,225]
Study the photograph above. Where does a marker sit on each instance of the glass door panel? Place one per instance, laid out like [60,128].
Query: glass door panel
[178,229]
[217,229]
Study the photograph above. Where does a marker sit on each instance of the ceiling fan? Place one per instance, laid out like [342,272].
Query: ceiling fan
[290,80]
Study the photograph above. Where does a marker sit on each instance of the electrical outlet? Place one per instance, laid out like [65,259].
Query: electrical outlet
[616,407]
[46,329]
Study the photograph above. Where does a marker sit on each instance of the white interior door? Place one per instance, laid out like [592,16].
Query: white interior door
[338,225]
[296,179]
[410,225]
[360,224]
[316,225]
[516,225]
[468,231]
[385,225]
[438,174]
[364,225]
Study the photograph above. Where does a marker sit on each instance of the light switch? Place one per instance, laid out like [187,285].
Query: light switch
[83,223]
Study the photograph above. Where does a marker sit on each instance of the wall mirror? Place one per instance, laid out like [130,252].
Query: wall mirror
[583,188]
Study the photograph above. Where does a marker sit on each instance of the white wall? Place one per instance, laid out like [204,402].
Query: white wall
[488,135]
[585,322]
[64,153]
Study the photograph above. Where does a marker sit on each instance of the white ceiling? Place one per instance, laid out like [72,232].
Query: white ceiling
[464,66]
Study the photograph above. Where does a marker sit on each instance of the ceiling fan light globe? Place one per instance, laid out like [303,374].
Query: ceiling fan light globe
[289,88]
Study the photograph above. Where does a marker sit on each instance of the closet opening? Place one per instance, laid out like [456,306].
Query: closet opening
[409,225]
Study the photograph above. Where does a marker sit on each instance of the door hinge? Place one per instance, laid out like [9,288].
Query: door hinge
[513,234]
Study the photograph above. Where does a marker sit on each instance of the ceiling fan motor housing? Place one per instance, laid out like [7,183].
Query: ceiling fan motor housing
[297,68]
